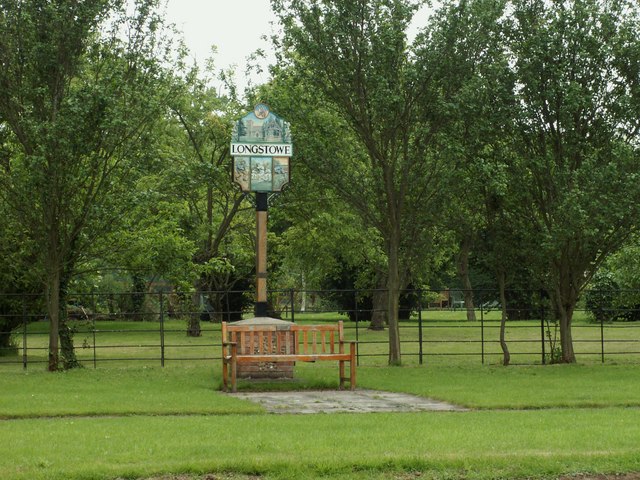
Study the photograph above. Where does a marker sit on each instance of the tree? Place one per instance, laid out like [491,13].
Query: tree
[219,219]
[354,69]
[472,65]
[81,86]
[576,69]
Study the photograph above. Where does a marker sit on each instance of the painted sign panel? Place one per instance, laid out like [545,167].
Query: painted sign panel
[261,174]
[261,126]
[261,148]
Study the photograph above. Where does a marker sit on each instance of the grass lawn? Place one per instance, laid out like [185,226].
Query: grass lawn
[136,422]
[502,444]
[131,419]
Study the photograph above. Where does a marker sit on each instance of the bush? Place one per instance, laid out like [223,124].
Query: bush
[607,302]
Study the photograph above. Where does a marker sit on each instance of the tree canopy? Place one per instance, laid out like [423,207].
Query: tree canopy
[505,136]
[376,108]
[79,98]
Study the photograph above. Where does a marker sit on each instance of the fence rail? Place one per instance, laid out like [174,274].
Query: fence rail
[151,329]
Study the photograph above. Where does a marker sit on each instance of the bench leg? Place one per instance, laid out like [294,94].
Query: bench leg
[342,377]
[225,375]
[352,369]
[234,368]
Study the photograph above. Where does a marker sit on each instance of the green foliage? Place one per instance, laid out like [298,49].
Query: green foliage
[600,297]
[624,265]
[613,293]
[376,110]
[79,100]
[579,170]
[214,217]
[547,118]
[504,139]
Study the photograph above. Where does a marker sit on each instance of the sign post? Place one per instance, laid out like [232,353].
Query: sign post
[261,149]
[261,308]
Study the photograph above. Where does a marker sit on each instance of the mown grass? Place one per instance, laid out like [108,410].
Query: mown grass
[196,390]
[130,420]
[473,445]
[520,387]
[109,391]
[526,422]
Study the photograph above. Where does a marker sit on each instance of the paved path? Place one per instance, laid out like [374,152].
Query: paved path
[334,401]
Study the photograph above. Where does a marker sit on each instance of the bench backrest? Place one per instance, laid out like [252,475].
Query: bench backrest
[285,340]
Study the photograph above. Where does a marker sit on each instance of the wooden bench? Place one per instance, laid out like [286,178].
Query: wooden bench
[273,343]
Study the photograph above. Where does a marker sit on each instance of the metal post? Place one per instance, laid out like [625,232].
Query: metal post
[420,325]
[261,309]
[602,337]
[482,331]
[93,318]
[357,332]
[292,301]
[544,361]
[24,332]
[161,329]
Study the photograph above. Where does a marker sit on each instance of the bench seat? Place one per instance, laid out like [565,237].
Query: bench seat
[244,344]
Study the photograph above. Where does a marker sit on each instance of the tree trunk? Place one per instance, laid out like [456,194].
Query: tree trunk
[193,317]
[393,299]
[565,297]
[65,331]
[52,293]
[463,275]
[193,326]
[566,338]
[138,295]
[60,333]
[564,303]
[379,314]
[506,356]
[67,349]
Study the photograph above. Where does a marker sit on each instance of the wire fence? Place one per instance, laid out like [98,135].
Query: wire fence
[435,327]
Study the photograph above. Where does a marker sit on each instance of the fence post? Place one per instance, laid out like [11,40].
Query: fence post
[24,332]
[544,361]
[602,337]
[355,294]
[161,329]
[482,331]
[420,325]
[95,360]
[93,323]
[292,298]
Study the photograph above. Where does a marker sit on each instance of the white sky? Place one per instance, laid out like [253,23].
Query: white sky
[235,27]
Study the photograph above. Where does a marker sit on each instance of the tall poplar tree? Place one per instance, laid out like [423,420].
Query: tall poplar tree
[577,70]
[354,56]
[80,87]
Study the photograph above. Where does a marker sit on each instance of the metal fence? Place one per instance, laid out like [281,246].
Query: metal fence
[152,328]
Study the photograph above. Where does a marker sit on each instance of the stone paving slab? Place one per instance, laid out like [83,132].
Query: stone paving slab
[344,401]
